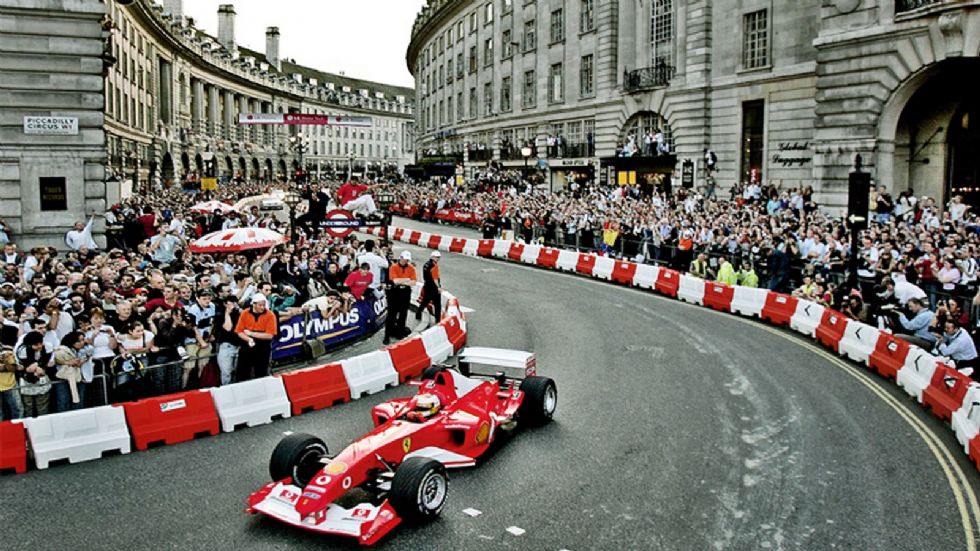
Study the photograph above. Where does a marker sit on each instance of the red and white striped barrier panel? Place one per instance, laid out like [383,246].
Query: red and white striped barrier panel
[585,264]
[485,247]
[171,419]
[946,391]
[501,248]
[718,296]
[624,272]
[471,247]
[457,245]
[252,403]
[807,317]
[567,261]
[81,435]
[548,258]
[437,344]
[691,289]
[369,373]
[13,446]
[750,301]
[515,252]
[408,358]
[779,308]
[668,282]
[603,268]
[859,341]
[831,329]
[917,373]
[314,388]
[646,276]
[889,355]
[966,419]
[531,254]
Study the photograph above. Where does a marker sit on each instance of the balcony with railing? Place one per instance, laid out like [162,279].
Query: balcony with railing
[656,76]
[902,6]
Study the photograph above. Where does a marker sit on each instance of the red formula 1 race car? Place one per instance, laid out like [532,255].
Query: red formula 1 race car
[397,472]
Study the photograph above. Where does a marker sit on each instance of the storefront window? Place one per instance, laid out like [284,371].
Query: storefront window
[753,145]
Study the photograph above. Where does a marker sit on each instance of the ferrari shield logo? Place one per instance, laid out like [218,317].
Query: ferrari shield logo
[406,444]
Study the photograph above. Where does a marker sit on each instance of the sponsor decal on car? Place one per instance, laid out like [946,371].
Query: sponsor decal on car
[384,517]
[311,495]
[313,488]
[407,444]
[323,480]
[336,467]
[346,483]
[288,495]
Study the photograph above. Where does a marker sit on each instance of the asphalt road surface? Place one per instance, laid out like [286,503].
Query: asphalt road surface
[677,428]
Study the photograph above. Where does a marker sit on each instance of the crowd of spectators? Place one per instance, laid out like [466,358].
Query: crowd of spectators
[143,315]
[756,236]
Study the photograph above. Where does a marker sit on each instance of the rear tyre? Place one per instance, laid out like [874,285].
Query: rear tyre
[540,401]
[419,489]
[297,457]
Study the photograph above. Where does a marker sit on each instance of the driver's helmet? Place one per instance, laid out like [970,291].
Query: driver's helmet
[427,405]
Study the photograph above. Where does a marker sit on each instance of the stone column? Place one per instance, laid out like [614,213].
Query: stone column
[229,114]
[214,123]
[197,104]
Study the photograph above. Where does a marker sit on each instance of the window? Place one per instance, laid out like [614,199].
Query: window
[556,92]
[506,44]
[662,32]
[557,25]
[460,114]
[449,70]
[472,59]
[508,6]
[441,114]
[473,22]
[487,99]
[505,95]
[488,13]
[459,65]
[449,110]
[488,52]
[587,77]
[529,37]
[473,112]
[528,98]
[753,133]
[449,37]
[459,30]
[755,47]
[587,14]
[442,76]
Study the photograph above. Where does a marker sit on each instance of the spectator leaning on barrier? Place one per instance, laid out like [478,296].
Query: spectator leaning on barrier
[431,288]
[68,393]
[35,361]
[256,327]
[201,314]
[957,344]
[377,263]
[918,326]
[359,280]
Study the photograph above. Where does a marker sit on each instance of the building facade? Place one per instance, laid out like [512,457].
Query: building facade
[52,146]
[174,95]
[786,92]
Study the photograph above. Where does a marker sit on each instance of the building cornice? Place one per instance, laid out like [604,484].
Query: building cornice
[434,14]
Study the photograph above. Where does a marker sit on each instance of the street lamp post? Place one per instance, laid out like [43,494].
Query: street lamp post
[298,143]
[386,198]
[350,166]
[292,199]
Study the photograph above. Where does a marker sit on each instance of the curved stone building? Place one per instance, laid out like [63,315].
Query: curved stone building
[781,91]
[174,94]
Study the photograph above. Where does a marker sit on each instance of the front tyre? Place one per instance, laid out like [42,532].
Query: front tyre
[297,456]
[419,489]
[540,400]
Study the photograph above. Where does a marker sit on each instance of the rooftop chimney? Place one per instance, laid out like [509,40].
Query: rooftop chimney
[272,47]
[226,27]
[174,8]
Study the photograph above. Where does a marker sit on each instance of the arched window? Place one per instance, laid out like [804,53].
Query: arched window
[642,123]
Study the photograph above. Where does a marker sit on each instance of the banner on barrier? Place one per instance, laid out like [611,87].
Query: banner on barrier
[364,317]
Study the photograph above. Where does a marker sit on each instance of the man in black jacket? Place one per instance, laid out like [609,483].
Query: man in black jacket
[431,288]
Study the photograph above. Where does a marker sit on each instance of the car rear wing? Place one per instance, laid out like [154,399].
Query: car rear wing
[514,364]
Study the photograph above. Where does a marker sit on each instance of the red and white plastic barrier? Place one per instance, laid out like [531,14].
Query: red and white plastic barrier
[807,317]
[691,289]
[13,446]
[77,436]
[171,419]
[369,373]
[437,344]
[314,388]
[603,268]
[646,276]
[409,358]
[252,403]
[859,341]
[749,301]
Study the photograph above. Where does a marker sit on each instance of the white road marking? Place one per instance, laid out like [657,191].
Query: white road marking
[466,310]
[516,531]
[469,511]
[287,432]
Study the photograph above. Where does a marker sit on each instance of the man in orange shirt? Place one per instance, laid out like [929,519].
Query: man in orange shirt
[401,279]
[257,328]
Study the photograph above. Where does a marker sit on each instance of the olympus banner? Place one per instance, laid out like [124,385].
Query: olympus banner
[303,118]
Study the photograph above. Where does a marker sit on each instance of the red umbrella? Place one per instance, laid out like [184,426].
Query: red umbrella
[209,207]
[237,239]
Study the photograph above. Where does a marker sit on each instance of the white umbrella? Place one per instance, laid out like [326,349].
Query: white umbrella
[237,239]
[209,207]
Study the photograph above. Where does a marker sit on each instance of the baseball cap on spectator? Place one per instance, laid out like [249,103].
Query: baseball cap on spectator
[259,297]
[436,254]
[406,255]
